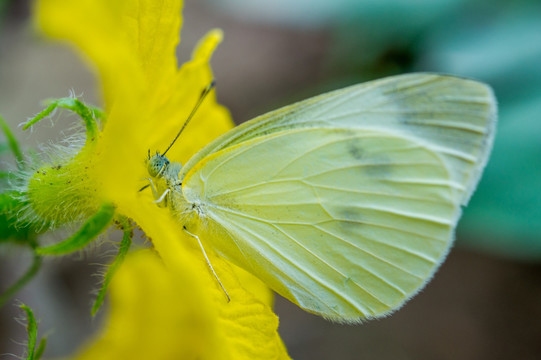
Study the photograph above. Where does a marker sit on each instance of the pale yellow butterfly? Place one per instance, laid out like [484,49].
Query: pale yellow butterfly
[345,203]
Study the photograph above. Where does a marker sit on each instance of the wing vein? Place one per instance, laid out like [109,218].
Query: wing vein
[330,288]
[376,257]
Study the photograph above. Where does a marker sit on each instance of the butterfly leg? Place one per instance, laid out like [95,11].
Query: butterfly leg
[159,198]
[162,197]
[208,263]
[152,187]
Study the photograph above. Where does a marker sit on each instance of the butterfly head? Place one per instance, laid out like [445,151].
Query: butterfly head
[157,165]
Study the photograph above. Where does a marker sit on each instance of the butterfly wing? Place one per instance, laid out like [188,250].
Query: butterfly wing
[454,114]
[347,203]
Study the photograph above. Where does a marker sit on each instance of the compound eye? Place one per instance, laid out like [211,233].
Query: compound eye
[157,165]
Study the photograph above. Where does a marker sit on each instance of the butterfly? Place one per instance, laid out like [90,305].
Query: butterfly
[345,203]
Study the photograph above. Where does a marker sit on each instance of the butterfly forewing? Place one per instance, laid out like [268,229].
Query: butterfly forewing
[455,116]
[347,203]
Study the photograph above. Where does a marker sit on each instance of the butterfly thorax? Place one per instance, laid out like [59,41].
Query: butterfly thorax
[165,174]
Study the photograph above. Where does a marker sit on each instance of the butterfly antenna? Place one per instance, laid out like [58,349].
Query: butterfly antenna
[202,97]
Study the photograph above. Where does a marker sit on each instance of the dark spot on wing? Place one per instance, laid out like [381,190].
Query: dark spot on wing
[378,166]
[349,219]
[355,149]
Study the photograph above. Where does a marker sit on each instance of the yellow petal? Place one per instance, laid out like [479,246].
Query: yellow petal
[255,286]
[154,315]
[179,99]
[150,122]
[131,42]
[173,309]
[95,27]
[168,311]
[154,27]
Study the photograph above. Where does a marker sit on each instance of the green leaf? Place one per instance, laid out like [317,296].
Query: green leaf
[12,141]
[94,226]
[320,13]
[503,216]
[504,213]
[122,251]
[20,232]
[10,227]
[32,330]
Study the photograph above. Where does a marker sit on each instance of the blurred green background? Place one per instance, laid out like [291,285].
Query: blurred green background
[484,303]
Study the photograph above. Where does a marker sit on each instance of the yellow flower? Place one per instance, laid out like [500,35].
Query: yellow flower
[168,313]
[168,307]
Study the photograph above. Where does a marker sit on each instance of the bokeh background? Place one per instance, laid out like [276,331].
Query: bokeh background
[485,301]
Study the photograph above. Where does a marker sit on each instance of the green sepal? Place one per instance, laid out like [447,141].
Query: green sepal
[40,349]
[10,227]
[32,330]
[30,273]
[12,141]
[98,113]
[94,226]
[88,114]
[122,252]
[20,232]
